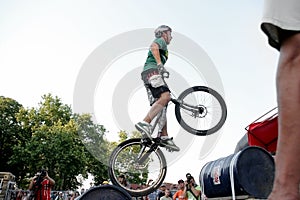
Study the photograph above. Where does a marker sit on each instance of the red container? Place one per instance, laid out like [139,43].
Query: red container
[263,132]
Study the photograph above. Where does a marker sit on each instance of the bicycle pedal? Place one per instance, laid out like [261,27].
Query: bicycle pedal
[169,149]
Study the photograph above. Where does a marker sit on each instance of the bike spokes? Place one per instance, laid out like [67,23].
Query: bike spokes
[201,110]
[139,163]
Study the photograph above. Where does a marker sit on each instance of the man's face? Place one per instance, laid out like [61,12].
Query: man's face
[167,36]
[167,192]
[120,179]
[181,185]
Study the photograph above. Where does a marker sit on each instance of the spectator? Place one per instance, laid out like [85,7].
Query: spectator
[193,190]
[54,195]
[70,195]
[41,185]
[161,191]
[25,196]
[122,180]
[75,195]
[181,192]
[60,196]
[153,195]
[167,195]
[19,195]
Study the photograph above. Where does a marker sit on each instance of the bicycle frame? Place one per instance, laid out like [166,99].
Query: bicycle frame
[197,111]
[142,156]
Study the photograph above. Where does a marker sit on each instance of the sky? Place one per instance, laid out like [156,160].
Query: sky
[45,45]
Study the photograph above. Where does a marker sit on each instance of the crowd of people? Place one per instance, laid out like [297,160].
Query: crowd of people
[183,190]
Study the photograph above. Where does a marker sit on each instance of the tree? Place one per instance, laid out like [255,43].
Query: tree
[52,136]
[126,160]
[56,142]
[98,148]
[11,134]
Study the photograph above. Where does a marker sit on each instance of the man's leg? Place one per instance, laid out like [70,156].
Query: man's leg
[163,134]
[145,127]
[162,122]
[158,106]
[164,131]
[287,175]
[166,141]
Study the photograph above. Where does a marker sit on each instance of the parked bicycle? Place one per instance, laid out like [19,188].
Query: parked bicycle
[199,110]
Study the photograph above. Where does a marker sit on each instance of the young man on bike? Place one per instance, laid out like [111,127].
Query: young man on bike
[157,90]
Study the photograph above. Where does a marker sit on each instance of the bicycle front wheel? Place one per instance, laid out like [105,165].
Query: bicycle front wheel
[144,168]
[201,110]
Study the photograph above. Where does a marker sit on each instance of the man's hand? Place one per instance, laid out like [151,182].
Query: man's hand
[162,70]
[35,176]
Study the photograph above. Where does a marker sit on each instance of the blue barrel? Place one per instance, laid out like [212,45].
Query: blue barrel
[251,170]
[105,192]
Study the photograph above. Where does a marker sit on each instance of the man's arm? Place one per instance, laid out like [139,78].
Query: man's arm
[52,182]
[31,183]
[196,192]
[155,52]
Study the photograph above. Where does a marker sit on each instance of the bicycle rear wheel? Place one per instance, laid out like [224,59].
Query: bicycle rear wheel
[140,162]
[201,110]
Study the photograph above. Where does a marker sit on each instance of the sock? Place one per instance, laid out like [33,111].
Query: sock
[146,122]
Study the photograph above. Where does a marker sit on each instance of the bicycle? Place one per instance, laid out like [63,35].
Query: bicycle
[199,110]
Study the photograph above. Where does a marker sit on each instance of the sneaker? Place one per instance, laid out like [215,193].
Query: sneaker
[169,143]
[144,128]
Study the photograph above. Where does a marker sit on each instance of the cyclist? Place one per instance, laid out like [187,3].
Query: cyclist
[157,90]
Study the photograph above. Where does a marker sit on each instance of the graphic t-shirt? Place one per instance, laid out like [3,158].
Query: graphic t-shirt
[44,191]
[179,195]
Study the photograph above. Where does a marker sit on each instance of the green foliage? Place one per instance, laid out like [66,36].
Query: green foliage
[11,134]
[51,136]
[127,156]
[98,149]
[123,136]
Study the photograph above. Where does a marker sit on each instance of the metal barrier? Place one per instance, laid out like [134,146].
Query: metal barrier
[7,182]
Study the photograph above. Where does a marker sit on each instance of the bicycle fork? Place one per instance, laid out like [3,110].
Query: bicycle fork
[196,111]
